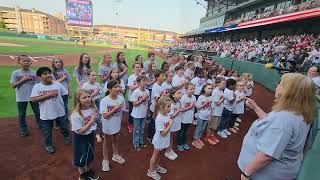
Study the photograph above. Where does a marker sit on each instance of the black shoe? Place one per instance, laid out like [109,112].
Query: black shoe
[84,176]
[24,133]
[50,149]
[92,175]
[143,146]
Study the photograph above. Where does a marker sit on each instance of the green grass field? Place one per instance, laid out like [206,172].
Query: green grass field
[7,94]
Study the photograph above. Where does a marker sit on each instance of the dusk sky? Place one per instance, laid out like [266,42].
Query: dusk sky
[172,15]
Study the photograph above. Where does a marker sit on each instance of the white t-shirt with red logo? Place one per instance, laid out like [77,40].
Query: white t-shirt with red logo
[112,124]
[50,109]
[156,92]
[205,112]
[161,123]
[217,110]
[187,116]
[140,111]
[91,88]
[166,87]
[132,81]
[177,80]
[78,122]
[198,84]
[176,125]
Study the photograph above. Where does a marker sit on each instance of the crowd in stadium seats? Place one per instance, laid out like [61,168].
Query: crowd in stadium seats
[282,50]
[266,13]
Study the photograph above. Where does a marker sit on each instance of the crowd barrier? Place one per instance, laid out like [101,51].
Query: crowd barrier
[268,78]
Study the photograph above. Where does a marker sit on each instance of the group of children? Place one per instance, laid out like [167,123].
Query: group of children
[168,98]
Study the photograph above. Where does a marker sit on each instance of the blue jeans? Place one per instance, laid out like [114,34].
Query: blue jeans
[98,120]
[47,129]
[138,130]
[65,102]
[182,134]
[130,120]
[225,118]
[201,125]
[22,108]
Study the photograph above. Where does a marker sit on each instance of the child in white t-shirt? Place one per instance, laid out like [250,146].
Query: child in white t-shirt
[83,125]
[179,80]
[105,68]
[151,69]
[167,85]
[204,114]
[114,75]
[111,115]
[140,98]
[189,73]
[212,75]
[133,85]
[156,93]
[217,108]
[188,103]
[228,104]
[238,106]
[161,139]
[198,81]
[49,94]
[175,115]
[23,80]
[249,86]
[94,89]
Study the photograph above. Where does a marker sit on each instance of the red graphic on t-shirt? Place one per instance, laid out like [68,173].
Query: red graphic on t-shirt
[43,93]
[208,105]
[91,91]
[166,125]
[87,120]
[188,104]
[110,108]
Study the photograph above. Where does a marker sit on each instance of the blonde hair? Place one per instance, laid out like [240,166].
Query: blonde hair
[78,106]
[163,100]
[107,54]
[298,95]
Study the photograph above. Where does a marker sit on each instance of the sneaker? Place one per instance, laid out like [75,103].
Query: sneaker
[160,169]
[84,176]
[222,134]
[154,175]
[24,133]
[143,146]
[180,148]
[236,124]
[236,128]
[50,149]
[67,140]
[214,138]
[119,159]
[130,128]
[170,155]
[186,146]
[233,130]
[92,175]
[201,142]
[239,120]
[174,153]
[105,166]
[196,144]
[226,132]
[209,140]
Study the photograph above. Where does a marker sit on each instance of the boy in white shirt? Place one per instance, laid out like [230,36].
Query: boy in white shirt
[133,85]
[49,94]
[140,98]
[179,80]
[155,95]
[238,105]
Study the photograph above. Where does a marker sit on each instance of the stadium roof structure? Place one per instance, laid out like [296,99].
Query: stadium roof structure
[307,14]
[133,28]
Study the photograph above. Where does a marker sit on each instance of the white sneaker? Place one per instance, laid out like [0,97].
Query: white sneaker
[239,120]
[161,170]
[222,134]
[174,153]
[105,166]
[154,175]
[226,132]
[236,124]
[170,155]
[118,159]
